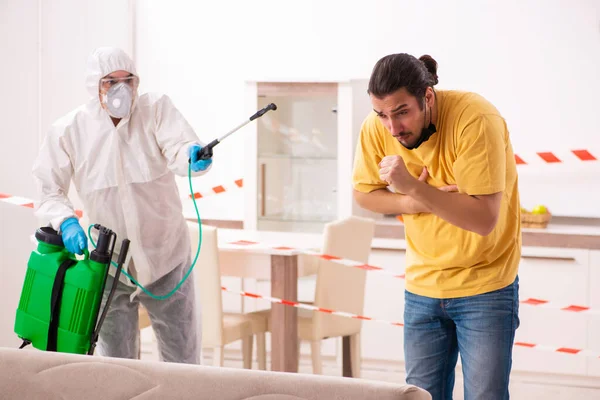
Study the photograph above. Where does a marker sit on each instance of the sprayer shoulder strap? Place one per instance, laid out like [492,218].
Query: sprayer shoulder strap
[57,291]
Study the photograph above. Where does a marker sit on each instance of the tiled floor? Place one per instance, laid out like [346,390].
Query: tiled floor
[523,386]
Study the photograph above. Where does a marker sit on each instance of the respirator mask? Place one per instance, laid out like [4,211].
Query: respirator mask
[117,95]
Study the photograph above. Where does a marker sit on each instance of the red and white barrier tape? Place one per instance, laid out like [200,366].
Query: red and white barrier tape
[309,307]
[354,264]
[16,200]
[563,350]
[287,250]
[555,157]
[24,202]
[237,184]
[296,304]
[539,303]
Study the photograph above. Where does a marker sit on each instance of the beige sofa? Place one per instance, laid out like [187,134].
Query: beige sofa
[32,374]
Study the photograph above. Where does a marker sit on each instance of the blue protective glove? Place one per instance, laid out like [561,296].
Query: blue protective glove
[196,162]
[73,236]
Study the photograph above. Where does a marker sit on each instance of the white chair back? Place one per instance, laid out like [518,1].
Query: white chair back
[339,287]
[208,284]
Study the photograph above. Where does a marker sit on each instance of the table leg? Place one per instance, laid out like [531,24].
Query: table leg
[346,358]
[284,322]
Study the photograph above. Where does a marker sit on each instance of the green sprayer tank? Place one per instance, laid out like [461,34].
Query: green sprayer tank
[61,296]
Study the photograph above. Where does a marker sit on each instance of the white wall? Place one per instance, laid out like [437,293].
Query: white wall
[19,105]
[45,46]
[535,60]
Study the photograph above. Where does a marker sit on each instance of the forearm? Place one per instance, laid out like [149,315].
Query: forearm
[53,180]
[54,209]
[464,211]
[385,202]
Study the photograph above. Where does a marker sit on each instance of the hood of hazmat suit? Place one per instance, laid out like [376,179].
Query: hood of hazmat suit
[124,174]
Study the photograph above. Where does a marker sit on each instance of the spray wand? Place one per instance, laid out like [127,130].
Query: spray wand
[207,152]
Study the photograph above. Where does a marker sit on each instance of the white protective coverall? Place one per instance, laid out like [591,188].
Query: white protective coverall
[125,177]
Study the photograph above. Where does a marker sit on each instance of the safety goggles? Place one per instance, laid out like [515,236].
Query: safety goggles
[108,82]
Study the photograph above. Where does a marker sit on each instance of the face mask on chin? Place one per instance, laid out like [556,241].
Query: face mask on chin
[426,132]
[425,135]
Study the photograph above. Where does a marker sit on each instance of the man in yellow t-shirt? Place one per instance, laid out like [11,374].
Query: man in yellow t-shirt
[443,159]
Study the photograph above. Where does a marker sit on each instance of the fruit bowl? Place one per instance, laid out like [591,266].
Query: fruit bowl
[539,217]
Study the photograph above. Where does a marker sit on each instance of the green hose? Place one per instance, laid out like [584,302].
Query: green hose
[166,296]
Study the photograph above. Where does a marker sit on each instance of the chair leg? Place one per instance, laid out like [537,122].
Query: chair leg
[247,351]
[299,346]
[218,356]
[261,351]
[315,354]
[139,346]
[355,355]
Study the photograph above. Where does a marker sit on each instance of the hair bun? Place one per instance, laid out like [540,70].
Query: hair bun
[431,66]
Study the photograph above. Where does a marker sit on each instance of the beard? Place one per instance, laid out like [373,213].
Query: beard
[416,141]
[409,140]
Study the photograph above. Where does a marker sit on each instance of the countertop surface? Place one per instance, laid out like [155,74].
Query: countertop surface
[563,232]
[576,233]
[561,229]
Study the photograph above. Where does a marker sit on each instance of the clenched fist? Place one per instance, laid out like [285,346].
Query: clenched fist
[394,172]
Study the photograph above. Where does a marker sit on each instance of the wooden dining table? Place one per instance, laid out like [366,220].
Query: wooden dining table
[275,256]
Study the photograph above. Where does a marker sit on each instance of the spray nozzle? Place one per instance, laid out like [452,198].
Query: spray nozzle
[103,240]
[263,111]
[103,251]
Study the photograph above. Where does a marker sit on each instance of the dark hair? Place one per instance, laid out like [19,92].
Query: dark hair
[402,70]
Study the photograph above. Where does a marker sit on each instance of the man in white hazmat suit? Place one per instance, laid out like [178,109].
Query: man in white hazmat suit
[122,152]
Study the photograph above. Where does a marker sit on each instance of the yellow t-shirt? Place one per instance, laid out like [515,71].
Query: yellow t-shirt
[471,149]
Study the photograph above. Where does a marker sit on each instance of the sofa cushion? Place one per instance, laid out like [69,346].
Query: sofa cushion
[33,374]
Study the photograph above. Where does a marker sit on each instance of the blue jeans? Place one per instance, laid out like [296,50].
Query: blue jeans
[482,328]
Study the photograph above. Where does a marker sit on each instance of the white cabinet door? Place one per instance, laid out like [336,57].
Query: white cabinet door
[560,276]
[593,364]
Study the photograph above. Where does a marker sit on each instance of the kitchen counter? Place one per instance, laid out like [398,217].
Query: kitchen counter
[574,233]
